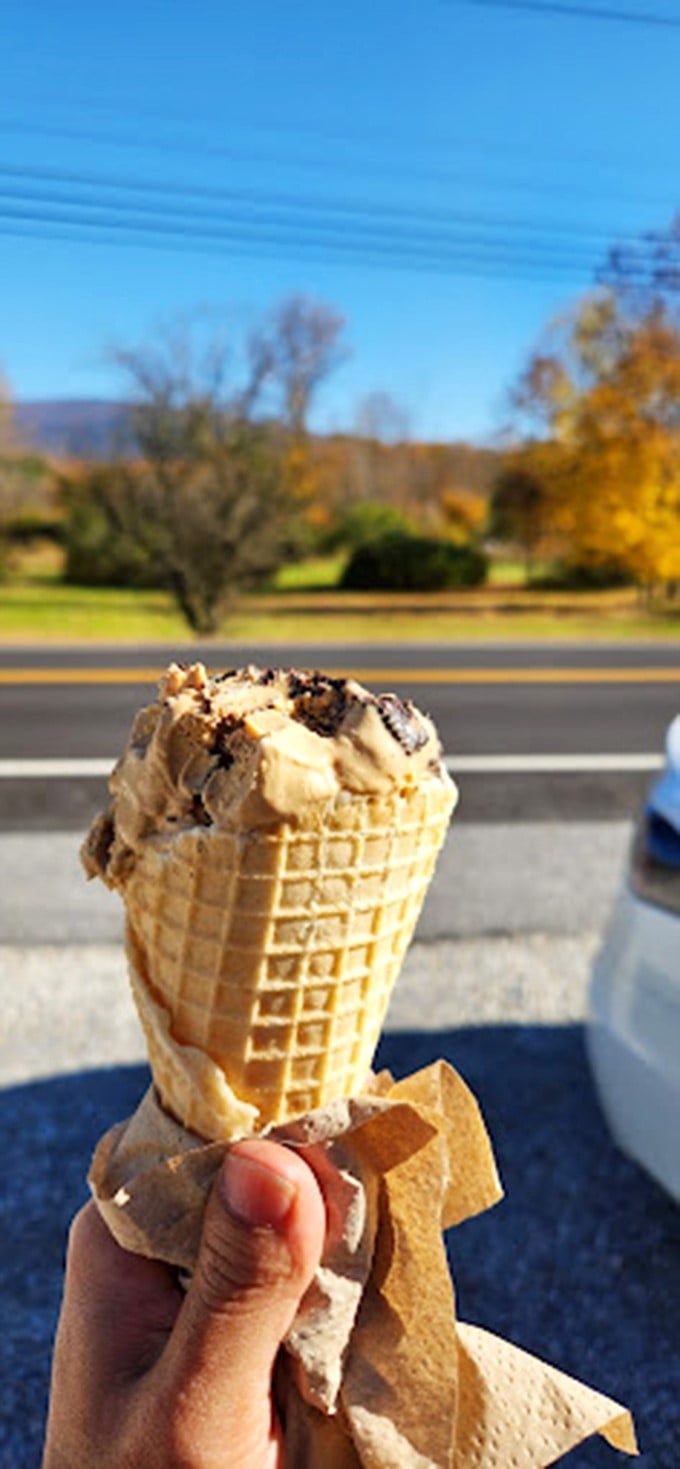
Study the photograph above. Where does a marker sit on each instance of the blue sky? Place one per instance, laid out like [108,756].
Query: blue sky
[498,150]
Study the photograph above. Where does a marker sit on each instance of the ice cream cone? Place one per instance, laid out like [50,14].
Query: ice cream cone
[263,953]
[276,955]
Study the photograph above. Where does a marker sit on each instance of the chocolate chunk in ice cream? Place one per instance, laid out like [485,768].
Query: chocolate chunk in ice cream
[319,701]
[403,721]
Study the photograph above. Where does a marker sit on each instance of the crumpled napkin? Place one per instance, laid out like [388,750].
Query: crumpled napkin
[376,1372]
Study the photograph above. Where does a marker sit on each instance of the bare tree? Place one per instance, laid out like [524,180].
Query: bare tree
[207,497]
[379,416]
[202,496]
[645,272]
[298,347]
[8,436]
[18,489]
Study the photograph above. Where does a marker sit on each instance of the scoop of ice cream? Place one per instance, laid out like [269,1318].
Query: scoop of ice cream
[249,749]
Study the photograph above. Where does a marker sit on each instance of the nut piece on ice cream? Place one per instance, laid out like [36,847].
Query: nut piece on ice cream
[272,834]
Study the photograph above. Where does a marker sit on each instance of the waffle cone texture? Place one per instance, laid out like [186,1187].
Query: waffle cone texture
[262,962]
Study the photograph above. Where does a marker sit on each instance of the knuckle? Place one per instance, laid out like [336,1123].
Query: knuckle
[235,1261]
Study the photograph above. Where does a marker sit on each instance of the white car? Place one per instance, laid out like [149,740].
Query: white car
[634,1021]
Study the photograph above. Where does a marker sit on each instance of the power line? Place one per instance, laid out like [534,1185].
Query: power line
[580,12]
[90,205]
[274,228]
[462,255]
[401,138]
[436,237]
[463,262]
[318,205]
[204,143]
[371,168]
[463,266]
[315,221]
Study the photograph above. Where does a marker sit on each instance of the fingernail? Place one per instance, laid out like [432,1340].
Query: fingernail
[253,1192]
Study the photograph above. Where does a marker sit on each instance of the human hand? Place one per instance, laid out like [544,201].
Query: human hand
[144,1375]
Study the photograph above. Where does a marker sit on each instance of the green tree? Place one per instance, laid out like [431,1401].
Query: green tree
[364,520]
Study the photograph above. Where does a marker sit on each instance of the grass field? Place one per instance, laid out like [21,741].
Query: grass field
[43,610]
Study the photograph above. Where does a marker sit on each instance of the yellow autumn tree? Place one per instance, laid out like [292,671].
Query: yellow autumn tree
[609,396]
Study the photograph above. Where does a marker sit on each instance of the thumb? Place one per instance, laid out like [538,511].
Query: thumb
[262,1241]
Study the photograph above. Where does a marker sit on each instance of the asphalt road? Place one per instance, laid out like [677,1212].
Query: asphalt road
[491,703]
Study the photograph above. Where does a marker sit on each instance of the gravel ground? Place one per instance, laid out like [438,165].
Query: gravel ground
[579,1263]
[52,998]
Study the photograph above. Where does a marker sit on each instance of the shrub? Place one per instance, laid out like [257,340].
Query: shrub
[400,562]
[34,525]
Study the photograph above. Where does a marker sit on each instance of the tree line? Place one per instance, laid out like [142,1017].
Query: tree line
[222,481]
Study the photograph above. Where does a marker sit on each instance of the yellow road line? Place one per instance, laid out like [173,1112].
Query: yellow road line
[370,675]
[79,675]
[516,675]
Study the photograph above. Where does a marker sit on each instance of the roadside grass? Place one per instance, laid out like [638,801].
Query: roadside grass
[44,610]
[317,573]
[41,610]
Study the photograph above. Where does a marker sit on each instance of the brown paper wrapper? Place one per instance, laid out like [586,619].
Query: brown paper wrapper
[376,1372]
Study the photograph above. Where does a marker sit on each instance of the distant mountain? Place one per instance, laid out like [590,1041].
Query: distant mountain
[83,428]
[99,428]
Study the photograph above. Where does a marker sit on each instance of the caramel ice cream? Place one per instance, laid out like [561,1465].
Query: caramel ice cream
[272,834]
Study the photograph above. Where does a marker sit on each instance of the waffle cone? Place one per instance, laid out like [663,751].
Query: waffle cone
[263,961]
